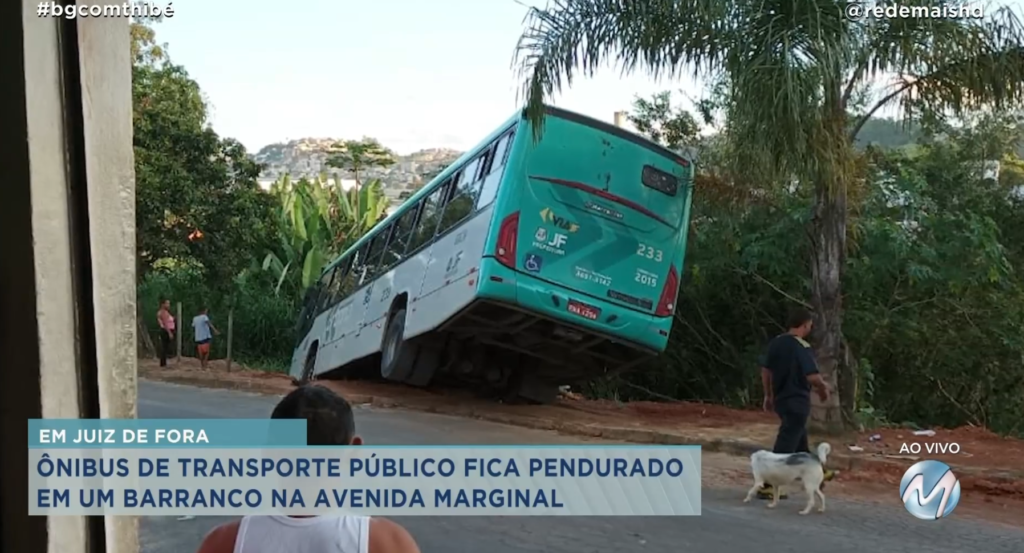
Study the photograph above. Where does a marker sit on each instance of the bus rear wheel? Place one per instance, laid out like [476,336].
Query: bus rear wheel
[397,355]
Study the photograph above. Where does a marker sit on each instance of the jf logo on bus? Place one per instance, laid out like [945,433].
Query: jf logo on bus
[930,490]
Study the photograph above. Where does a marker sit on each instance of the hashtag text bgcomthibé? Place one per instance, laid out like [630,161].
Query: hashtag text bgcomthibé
[127,9]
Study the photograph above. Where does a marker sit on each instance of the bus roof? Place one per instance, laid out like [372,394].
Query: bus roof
[427,189]
[620,132]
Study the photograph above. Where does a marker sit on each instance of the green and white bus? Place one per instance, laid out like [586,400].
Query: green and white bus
[524,266]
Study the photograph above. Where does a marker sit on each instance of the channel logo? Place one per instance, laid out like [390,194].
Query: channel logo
[930,490]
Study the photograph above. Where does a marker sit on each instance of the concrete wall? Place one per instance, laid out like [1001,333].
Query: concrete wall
[68,220]
[106,94]
[55,304]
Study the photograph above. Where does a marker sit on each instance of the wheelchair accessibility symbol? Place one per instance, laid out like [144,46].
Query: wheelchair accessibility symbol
[533,263]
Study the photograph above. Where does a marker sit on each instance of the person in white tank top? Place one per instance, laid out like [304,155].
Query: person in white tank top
[329,421]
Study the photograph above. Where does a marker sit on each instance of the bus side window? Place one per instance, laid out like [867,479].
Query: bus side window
[309,303]
[428,219]
[351,280]
[333,296]
[450,188]
[320,295]
[471,174]
[489,190]
[375,257]
[403,232]
[361,267]
[464,195]
[312,303]
[487,161]
[501,151]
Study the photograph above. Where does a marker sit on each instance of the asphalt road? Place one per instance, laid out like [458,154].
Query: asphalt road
[725,526]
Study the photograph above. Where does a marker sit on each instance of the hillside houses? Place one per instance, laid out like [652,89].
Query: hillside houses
[307,157]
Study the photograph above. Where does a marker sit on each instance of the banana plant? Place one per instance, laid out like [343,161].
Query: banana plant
[363,206]
[319,219]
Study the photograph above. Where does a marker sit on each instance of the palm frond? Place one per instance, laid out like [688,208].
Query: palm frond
[948,64]
[570,36]
[775,54]
[790,66]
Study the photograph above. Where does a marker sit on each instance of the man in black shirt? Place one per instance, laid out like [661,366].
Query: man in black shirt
[788,372]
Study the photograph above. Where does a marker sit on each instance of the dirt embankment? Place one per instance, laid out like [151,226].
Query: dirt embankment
[986,463]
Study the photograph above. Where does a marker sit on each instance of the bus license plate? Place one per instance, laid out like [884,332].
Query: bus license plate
[583,310]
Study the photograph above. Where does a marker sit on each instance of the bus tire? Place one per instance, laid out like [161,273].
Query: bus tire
[427,362]
[397,355]
[309,366]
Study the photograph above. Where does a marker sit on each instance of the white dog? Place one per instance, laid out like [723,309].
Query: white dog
[785,469]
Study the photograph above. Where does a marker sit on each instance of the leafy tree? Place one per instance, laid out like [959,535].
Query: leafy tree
[144,47]
[664,123]
[937,260]
[197,200]
[935,282]
[357,155]
[792,72]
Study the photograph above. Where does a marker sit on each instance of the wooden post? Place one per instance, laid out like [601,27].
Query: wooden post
[177,332]
[231,330]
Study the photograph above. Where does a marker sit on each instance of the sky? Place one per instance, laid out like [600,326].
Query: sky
[412,73]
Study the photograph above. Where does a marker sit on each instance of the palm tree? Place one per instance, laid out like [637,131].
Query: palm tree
[794,73]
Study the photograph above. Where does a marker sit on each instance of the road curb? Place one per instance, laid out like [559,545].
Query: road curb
[209,383]
[738,447]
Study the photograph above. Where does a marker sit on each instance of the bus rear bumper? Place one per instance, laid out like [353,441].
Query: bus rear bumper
[618,323]
[531,315]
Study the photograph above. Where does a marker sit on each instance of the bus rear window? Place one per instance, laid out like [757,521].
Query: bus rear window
[659,180]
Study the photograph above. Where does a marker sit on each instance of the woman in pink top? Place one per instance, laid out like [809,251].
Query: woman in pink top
[166,322]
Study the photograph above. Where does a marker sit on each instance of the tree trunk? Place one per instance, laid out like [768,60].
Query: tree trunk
[849,385]
[828,257]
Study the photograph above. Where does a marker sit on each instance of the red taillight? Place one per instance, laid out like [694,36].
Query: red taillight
[507,234]
[667,302]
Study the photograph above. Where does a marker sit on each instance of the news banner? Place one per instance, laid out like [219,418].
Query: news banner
[226,467]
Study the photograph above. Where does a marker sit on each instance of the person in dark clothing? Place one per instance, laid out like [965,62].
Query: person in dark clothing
[788,373]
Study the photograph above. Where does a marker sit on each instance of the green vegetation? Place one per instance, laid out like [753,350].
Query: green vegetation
[209,236]
[934,280]
[318,221]
[892,230]
[793,82]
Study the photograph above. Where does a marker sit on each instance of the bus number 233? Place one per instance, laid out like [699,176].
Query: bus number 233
[644,250]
